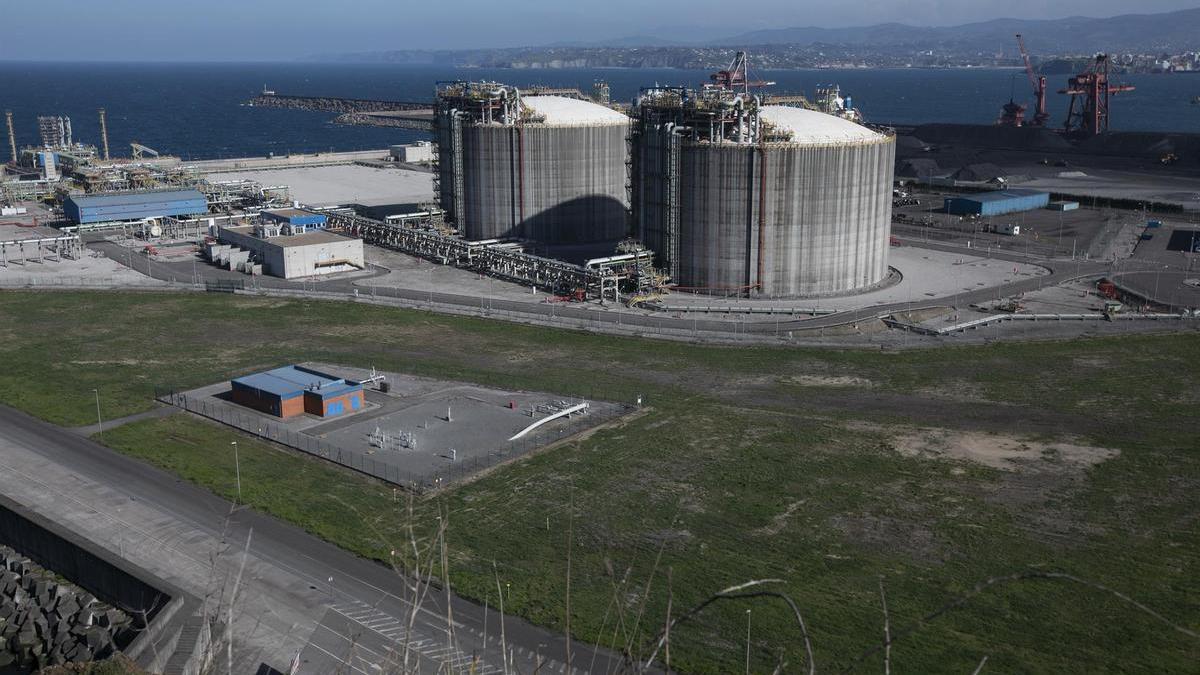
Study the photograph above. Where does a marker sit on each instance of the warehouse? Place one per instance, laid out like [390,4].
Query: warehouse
[306,253]
[295,390]
[83,209]
[998,203]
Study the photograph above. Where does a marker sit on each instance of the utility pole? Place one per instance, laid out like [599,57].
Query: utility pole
[237,466]
[99,422]
[747,642]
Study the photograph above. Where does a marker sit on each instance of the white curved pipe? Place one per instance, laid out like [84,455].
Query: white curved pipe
[561,413]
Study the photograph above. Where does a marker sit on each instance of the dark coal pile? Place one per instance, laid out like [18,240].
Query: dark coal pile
[980,136]
[1142,144]
[45,620]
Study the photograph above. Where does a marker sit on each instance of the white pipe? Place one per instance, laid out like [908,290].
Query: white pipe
[612,259]
[561,413]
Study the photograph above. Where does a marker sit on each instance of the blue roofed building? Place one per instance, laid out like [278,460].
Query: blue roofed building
[1013,200]
[103,208]
[295,390]
[298,219]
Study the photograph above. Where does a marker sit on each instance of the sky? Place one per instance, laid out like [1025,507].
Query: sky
[283,30]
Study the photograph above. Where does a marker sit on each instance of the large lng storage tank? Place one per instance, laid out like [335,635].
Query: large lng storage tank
[548,168]
[766,201]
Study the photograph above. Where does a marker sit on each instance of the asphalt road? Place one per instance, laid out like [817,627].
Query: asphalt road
[354,612]
[1060,271]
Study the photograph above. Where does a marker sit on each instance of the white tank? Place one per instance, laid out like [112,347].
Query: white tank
[546,168]
[802,211]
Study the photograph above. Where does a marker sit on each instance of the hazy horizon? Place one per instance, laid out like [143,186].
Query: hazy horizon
[278,30]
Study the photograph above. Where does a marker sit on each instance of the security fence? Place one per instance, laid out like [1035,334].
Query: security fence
[374,464]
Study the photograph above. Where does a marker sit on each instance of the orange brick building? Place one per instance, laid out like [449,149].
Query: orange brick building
[295,390]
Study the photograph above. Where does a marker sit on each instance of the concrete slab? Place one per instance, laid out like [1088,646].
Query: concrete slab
[345,184]
[93,269]
[927,274]
[450,430]
[411,272]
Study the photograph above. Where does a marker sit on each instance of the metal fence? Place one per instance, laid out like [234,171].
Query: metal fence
[224,285]
[453,471]
[728,329]
[113,282]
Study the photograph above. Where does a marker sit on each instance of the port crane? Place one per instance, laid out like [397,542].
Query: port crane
[1013,114]
[1090,92]
[734,77]
[1038,82]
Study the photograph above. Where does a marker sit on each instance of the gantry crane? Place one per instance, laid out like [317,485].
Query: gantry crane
[1090,92]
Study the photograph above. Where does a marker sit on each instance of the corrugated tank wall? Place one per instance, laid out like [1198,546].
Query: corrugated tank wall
[572,178]
[651,155]
[824,224]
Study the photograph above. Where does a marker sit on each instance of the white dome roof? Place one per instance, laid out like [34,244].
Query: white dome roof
[564,111]
[809,127]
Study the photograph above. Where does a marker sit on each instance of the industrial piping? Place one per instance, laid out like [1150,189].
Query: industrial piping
[562,413]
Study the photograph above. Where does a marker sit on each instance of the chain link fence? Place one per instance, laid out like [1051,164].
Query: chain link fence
[454,470]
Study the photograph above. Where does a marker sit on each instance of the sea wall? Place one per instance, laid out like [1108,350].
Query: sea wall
[151,605]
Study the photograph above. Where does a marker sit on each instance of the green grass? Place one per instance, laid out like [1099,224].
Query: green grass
[738,471]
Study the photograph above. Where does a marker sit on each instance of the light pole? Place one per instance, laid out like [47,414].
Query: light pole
[237,467]
[747,642]
[99,422]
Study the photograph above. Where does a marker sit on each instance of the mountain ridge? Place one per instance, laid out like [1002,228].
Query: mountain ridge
[893,43]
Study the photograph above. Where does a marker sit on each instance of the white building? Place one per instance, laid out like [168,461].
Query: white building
[310,253]
[415,153]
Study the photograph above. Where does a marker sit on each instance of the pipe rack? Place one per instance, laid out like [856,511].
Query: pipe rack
[494,260]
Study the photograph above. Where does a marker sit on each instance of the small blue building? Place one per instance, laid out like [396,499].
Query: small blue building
[295,217]
[295,390]
[104,208]
[1013,200]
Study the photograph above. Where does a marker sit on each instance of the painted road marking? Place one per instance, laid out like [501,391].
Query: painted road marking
[393,631]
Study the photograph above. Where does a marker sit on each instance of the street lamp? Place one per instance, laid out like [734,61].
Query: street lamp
[747,642]
[237,467]
[99,422]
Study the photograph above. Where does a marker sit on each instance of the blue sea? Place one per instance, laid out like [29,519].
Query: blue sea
[195,110]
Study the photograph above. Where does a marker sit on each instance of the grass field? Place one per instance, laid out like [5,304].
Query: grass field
[749,463]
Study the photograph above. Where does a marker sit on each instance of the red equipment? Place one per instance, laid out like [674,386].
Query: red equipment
[1038,82]
[1090,92]
[734,77]
[577,295]
[1013,115]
